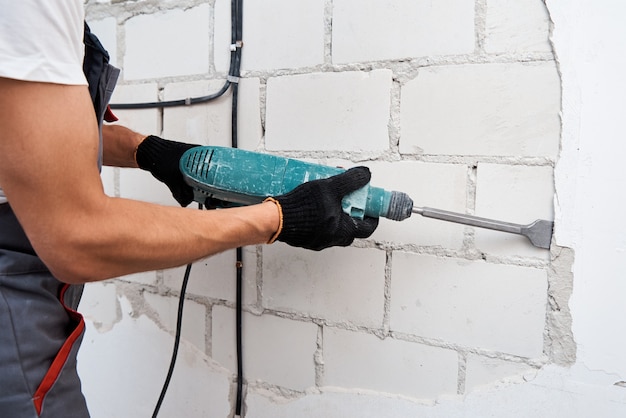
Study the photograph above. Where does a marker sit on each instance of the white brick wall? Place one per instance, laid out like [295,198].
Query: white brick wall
[471,303]
[142,120]
[210,124]
[373,30]
[520,194]
[455,102]
[494,109]
[357,360]
[106,30]
[347,111]
[278,34]
[337,284]
[283,352]
[194,326]
[482,371]
[170,43]
[214,277]
[516,26]
[424,182]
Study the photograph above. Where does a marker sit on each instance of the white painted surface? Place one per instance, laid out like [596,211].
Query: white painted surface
[354,295]
[589,41]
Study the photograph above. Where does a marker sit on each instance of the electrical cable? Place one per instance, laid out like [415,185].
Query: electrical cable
[236,41]
[238,319]
[179,325]
[173,103]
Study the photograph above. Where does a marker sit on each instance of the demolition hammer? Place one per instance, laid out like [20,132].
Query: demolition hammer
[223,177]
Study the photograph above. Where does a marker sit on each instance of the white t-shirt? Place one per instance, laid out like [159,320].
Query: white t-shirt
[42,40]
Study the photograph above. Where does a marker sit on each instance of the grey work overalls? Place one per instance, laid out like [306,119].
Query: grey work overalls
[41,330]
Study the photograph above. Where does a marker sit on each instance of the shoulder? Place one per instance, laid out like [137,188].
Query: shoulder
[42,40]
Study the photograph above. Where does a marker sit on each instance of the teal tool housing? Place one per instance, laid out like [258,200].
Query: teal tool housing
[239,177]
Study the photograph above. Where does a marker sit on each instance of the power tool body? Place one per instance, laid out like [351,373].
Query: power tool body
[221,177]
[224,177]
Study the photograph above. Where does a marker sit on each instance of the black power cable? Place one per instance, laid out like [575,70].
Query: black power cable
[172,103]
[236,41]
[179,323]
[232,80]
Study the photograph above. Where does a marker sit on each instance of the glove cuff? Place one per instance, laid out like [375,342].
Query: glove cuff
[149,150]
[303,218]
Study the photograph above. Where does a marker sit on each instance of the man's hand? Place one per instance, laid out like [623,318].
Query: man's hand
[161,158]
[312,216]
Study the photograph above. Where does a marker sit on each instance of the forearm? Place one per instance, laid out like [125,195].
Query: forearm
[125,236]
[119,146]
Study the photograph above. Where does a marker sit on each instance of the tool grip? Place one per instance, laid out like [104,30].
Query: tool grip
[242,177]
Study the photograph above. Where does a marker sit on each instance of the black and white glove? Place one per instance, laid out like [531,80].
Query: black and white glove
[161,157]
[312,216]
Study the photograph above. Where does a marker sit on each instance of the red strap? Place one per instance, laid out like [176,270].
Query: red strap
[61,358]
[109,116]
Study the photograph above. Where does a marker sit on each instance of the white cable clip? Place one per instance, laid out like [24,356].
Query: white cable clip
[232,78]
[188,101]
[238,44]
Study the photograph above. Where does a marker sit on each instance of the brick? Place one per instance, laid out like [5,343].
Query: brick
[167,44]
[518,26]
[147,277]
[428,184]
[139,184]
[277,34]
[472,303]
[358,360]
[222,36]
[194,317]
[210,123]
[486,109]
[202,124]
[481,371]
[108,180]
[367,30]
[276,350]
[215,277]
[338,284]
[131,361]
[347,111]
[333,403]
[141,120]
[518,194]
[99,304]
[106,31]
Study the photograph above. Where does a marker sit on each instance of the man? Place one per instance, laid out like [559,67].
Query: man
[58,228]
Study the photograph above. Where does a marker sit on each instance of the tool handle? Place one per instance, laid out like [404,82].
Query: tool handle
[232,176]
[471,220]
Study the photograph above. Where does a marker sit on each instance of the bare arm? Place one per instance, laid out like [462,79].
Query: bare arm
[120,144]
[48,170]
